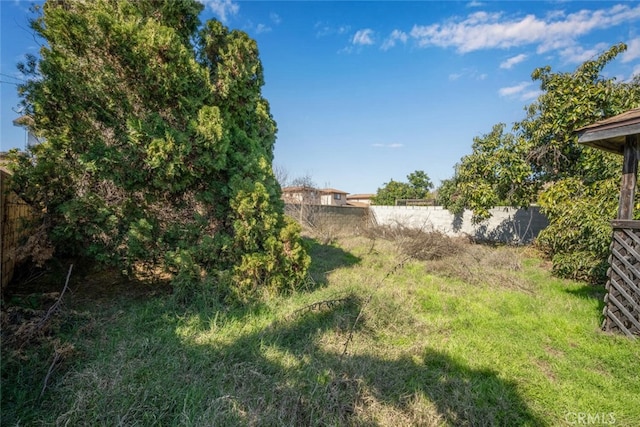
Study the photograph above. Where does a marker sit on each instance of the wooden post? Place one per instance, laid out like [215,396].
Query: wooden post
[629,177]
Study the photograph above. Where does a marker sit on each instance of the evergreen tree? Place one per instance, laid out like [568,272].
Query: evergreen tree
[158,146]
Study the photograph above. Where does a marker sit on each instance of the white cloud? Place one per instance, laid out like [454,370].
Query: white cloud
[363,37]
[275,18]
[509,63]
[471,73]
[262,28]
[265,28]
[633,50]
[475,3]
[530,95]
[521,91]
[636,71]
[578,54]
[323,29]
[514,90]
[224,8]
[396,35]
[482,30]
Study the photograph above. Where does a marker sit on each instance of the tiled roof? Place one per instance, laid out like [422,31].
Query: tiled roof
[297,189]
[333,190]
[358,204]
[300,188]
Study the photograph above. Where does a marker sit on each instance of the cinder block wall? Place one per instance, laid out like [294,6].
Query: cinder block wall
[508,225]
[333,219]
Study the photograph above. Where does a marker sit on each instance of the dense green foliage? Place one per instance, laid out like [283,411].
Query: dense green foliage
[542,162]
[500,160]
[158,146]
[418,186]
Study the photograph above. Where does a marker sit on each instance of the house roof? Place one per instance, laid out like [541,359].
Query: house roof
[358,204]
[297,189]
[610,134]
[360,196]
[302,188]
[333,191]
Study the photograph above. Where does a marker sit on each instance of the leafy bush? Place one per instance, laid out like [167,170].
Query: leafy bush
[579,232]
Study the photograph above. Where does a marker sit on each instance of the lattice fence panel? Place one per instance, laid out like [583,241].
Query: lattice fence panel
[622,301]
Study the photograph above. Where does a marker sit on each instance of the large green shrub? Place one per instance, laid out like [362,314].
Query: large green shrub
[158,145]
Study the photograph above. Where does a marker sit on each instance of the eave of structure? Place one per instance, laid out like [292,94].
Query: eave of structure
[610,134]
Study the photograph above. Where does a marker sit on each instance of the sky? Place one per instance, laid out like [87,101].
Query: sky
[366,92]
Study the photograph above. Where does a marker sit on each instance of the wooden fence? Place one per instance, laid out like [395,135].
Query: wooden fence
[622,301]
[13,212]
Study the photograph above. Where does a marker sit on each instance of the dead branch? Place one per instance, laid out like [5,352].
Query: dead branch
[55,306]
[316,306]
[56,357]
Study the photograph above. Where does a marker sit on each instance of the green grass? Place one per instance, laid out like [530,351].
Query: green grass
[487,337]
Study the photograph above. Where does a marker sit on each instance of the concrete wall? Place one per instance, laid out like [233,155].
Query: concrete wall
[330,219]
[508,225]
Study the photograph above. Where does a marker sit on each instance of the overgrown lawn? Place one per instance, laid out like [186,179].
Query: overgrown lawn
[485,336]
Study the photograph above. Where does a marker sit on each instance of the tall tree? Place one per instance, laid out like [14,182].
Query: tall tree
[496,172]
[543,153]
[157,150]
[418,187]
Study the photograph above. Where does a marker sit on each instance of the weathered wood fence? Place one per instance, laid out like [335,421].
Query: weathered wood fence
[13,212]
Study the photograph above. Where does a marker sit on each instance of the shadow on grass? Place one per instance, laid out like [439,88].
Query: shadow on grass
[589,292]
[291,373]
[326,258]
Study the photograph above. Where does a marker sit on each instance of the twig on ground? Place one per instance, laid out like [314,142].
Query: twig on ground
[318,305]
[56,357]
[55,306]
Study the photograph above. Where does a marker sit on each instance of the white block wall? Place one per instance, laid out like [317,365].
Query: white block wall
[508,225]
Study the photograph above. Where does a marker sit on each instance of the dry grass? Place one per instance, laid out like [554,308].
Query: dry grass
[457,257]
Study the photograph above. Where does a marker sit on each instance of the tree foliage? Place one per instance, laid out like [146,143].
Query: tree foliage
[418,186]
[541,161]
[500,160]
[158,145]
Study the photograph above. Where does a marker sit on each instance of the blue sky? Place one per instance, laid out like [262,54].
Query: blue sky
[365,92]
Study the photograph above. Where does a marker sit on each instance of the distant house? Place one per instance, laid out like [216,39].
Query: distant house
[301,195]
[333,197]
[313,196]
[359,200]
